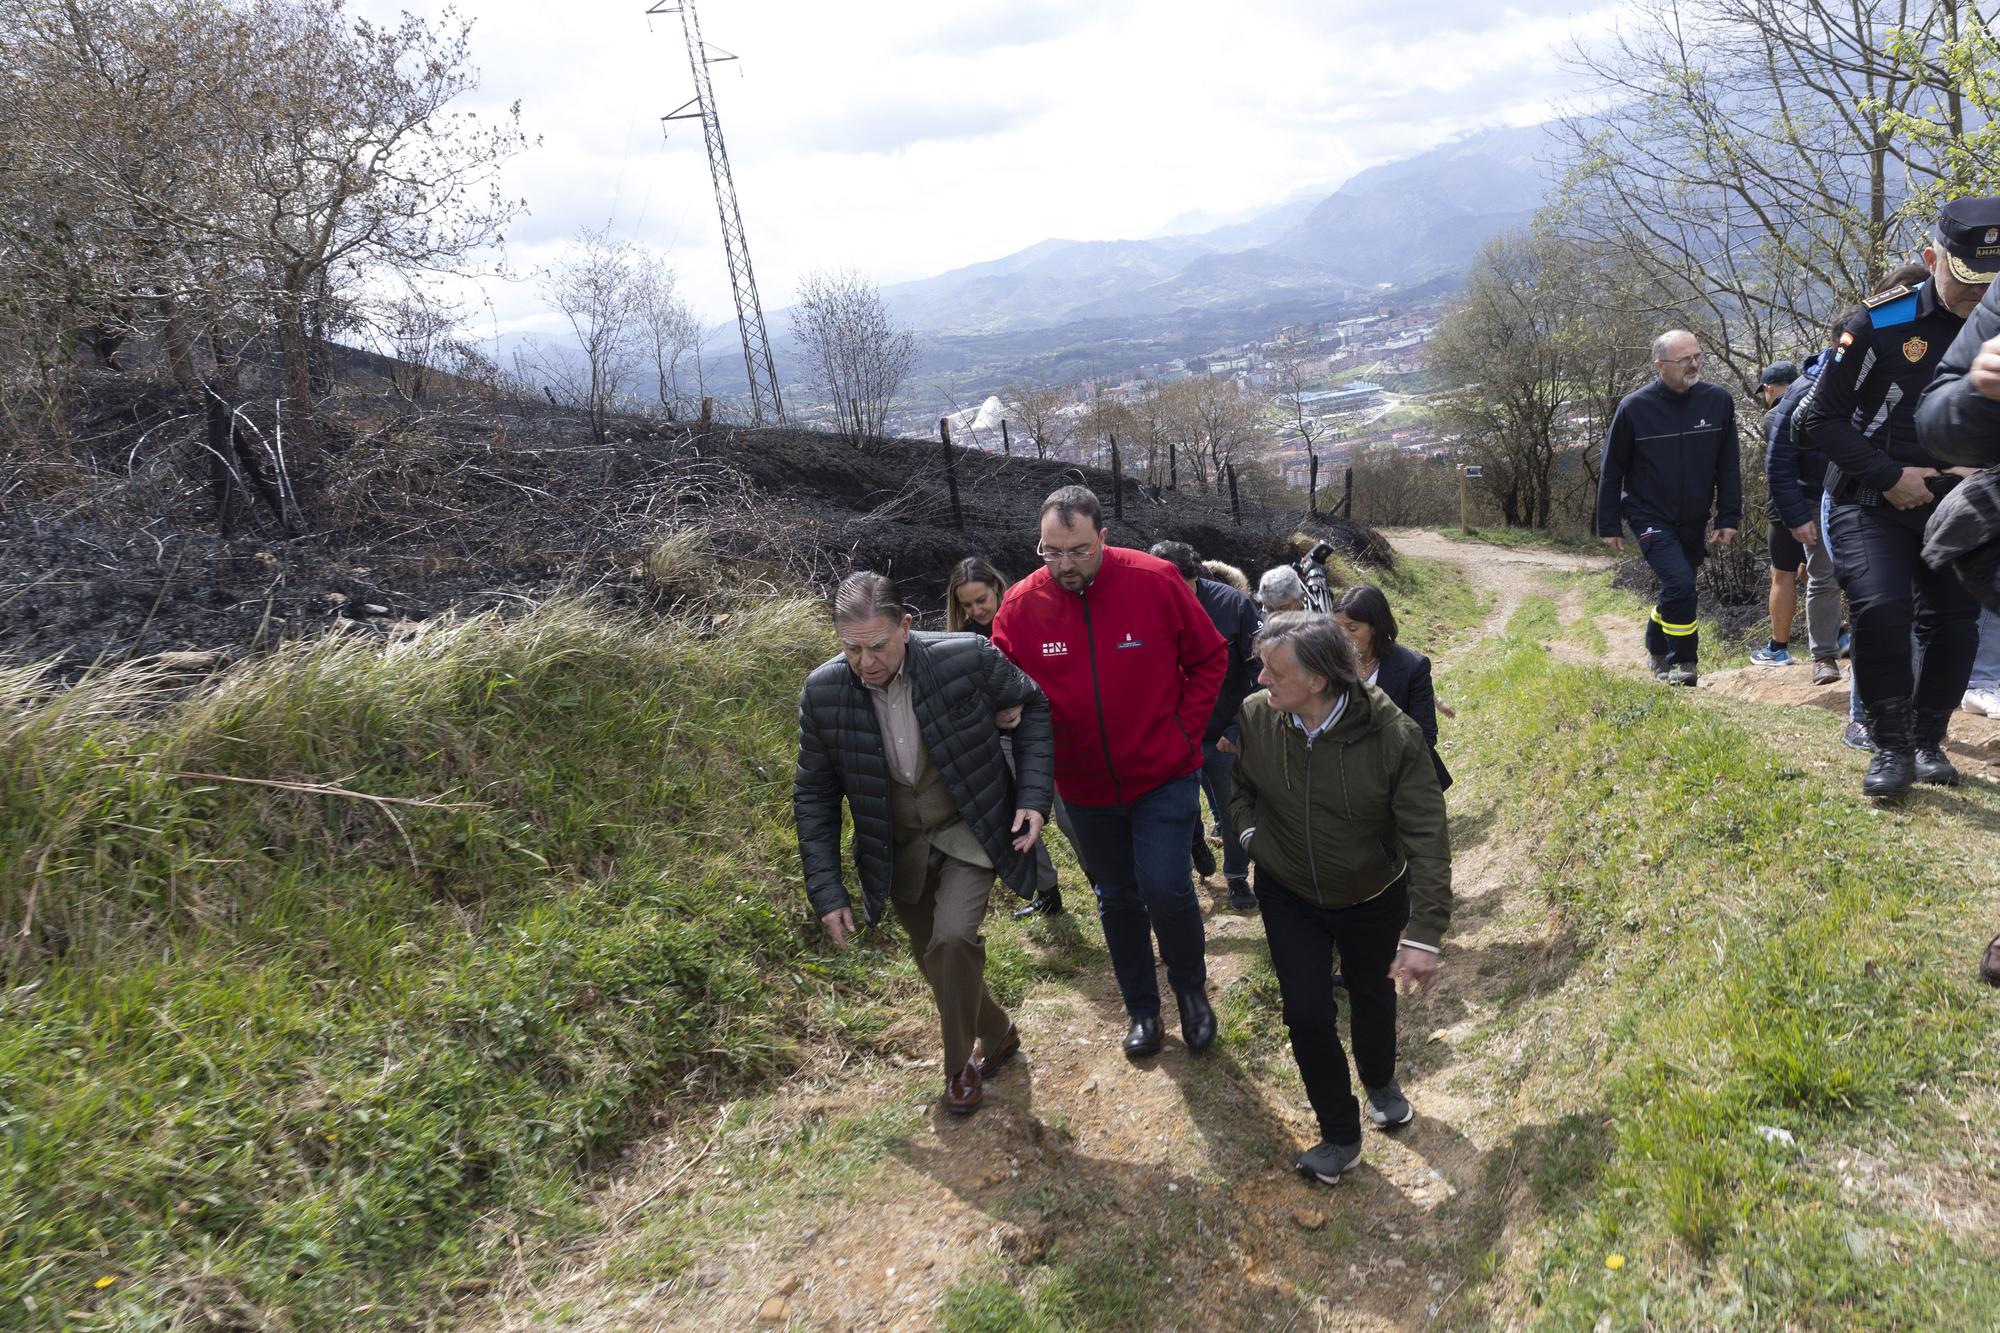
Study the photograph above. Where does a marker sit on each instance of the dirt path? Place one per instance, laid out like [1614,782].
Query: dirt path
[1156,1194]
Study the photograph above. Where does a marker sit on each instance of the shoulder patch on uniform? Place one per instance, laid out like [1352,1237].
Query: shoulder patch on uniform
[1883,298]
[1889,314]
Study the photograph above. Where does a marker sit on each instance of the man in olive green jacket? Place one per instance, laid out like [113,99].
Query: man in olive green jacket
[1339,806]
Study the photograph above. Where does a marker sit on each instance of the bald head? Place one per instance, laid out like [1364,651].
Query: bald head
[1677,359]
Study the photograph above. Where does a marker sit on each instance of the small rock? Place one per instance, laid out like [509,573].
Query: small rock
[374,609]
[1441,1034]
[776,1310]
[337,598]
[1307,1219]
[789,1285]
[186,661]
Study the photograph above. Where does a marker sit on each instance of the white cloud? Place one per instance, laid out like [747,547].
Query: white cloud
[906,137]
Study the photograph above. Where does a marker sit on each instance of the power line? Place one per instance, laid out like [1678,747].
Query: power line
[757,362]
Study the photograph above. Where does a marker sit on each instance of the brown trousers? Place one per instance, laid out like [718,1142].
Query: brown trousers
[941,902]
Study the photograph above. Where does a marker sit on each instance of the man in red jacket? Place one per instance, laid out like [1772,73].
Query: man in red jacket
[1131,666]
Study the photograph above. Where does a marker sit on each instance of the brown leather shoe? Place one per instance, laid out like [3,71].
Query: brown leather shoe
[988,1063]
[1989,966]
[964,1092]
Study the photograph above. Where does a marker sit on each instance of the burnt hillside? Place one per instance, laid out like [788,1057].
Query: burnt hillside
[113,551]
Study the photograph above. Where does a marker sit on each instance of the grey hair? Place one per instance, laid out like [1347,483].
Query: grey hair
[864,596]
[1661,343]
[1281,583]
[1319,643]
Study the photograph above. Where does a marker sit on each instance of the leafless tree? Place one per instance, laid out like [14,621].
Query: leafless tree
[857,357]
[1746,165]
[1294,367]
[593,286]
[669,336]
[1039,410]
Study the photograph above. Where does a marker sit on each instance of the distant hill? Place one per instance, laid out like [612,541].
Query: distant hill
[1403,222]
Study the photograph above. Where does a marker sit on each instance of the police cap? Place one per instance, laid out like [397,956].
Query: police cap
[1970,230]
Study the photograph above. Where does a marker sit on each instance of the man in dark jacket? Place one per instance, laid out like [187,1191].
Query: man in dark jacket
[1131,666]
[1235,619]
[1670,454]
[1958,420]
[1795,479]
[902,725]
[1883,489]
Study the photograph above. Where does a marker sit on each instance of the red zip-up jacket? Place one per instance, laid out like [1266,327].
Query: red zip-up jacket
[1131,665]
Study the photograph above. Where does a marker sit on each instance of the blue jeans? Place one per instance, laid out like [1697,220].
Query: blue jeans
[1139,861]
[1218,779]
[1854,713]
[1986,666]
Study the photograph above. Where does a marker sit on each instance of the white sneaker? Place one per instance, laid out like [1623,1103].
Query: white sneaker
[1985,700]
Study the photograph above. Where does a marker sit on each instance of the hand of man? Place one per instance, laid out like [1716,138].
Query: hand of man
[1034,823]
[1806,533]
[1008,718]
[1724,536]
[1909,492]
[1985,370]
[839,924]
[1615,543]
[1225,745]
[1416,969]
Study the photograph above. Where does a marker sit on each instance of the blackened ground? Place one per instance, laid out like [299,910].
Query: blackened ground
[113,551]
[1733,584]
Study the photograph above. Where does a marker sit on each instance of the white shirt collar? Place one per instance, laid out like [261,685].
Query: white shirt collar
[1314,733]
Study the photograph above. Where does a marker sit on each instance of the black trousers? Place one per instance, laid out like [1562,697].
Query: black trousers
[1304,940]
[1897,602]
[1675,554]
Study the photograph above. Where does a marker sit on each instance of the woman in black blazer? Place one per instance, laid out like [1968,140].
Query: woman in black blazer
[1401,673]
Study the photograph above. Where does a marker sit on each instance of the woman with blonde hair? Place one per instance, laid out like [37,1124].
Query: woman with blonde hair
[972,597]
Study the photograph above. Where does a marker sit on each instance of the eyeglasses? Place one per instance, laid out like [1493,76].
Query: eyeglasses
[1694,360]
[1074,555]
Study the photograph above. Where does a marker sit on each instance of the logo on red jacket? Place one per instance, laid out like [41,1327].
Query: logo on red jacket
[1130,642]
[1056,649]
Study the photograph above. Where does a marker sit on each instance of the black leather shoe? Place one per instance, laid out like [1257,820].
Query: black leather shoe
[1240,896]
[1144,1037]
[1048,903]
[1197,1022]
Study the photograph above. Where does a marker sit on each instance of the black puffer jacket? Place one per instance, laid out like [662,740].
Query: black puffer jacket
[958,682]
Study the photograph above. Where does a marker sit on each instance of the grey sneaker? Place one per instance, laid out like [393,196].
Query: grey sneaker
[1388,1108]
[1327,1161]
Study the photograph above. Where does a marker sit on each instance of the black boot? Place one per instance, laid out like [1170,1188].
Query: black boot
[1892,771]
[1204,855]
[1933,764]
[1143,1038]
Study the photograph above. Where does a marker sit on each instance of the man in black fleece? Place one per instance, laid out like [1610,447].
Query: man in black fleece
[1670,455]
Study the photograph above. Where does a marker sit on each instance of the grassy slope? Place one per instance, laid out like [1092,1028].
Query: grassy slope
[306,1053]
[1746,949]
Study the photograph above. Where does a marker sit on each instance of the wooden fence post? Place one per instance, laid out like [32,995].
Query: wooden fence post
[1006,445]
[1347,494]
[1117,482]
[1235,506]
[1312,487]
[951,473]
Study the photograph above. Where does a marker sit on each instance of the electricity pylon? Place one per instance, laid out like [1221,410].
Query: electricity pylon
[757,362]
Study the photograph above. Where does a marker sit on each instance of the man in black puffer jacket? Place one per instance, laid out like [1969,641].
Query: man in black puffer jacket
[902,725]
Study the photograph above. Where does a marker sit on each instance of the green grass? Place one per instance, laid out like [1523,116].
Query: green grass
[1436,605]
[275,1052]
[1526,539]
[1764,954]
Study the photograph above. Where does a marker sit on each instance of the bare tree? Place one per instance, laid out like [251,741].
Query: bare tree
[592,285]
[669,336]
[1225,427]
[1294,367]
[857,356]
[1039,408]
[1746,165]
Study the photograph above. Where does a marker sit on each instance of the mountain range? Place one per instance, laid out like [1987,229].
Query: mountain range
[1402,223]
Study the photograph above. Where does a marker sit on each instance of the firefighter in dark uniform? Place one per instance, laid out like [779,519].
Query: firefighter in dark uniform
[1883,488]
[1670,453]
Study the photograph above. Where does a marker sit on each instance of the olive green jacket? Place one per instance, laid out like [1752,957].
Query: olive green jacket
[1338,819]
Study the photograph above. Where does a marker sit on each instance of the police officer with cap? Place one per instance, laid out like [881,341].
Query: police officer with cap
[1884,487]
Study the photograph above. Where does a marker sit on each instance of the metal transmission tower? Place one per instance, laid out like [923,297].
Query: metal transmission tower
[757,361]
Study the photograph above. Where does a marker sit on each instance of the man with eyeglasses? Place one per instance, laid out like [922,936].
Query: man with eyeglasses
[1131,666]
[1916,630]
[1671,453]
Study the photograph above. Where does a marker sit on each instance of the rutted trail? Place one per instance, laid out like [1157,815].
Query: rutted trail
[849,1200]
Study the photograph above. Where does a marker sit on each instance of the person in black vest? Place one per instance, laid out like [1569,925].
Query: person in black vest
[1671,454]
[1235,618]
[1883,488]
[902,726]
[1401,673]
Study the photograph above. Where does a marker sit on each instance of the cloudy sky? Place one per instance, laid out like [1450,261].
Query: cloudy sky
[906,137]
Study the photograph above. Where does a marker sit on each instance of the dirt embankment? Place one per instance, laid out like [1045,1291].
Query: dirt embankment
[113,550]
